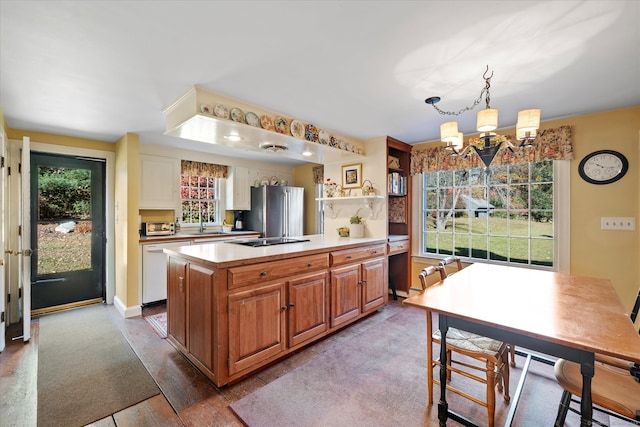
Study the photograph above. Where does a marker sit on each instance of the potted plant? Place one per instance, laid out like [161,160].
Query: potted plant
[356,227]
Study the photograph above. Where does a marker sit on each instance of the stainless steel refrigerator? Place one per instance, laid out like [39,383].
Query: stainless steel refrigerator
[276,211]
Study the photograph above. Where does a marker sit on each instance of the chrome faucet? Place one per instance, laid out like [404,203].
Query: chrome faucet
[202,227]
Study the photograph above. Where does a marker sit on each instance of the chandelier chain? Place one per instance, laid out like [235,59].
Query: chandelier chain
[484,91]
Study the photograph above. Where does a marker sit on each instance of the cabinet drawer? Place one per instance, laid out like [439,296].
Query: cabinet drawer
[398,247]
[351,255]
[246,275]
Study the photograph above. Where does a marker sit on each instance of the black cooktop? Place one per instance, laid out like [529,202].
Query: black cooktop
[267,241]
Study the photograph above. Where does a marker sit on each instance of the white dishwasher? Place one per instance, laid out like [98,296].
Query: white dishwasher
[154,270]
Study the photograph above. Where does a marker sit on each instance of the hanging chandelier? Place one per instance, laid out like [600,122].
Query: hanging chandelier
[489,143]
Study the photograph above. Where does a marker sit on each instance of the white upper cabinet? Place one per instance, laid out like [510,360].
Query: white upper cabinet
[159,182]
[238,189]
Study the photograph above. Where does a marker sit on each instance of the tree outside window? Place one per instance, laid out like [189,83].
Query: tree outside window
[504,213]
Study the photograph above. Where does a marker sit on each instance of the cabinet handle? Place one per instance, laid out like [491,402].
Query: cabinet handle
[284,307]
[263,273]
[310,264]
[401,247]
[375,252]
[292,304]
[348,256]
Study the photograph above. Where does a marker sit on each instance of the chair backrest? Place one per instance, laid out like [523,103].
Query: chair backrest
[636,308]
[427,271]
[442,266]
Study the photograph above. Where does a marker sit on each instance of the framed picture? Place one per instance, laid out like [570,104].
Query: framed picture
[352,176]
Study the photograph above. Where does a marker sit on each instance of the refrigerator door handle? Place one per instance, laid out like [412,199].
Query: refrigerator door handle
[285,214]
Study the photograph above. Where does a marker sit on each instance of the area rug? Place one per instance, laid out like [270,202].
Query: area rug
[159,323]
[86,369]
[378,378]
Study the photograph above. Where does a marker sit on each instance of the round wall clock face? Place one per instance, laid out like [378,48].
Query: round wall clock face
[603,167]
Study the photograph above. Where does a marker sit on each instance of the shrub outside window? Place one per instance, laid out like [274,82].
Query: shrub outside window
[200,199]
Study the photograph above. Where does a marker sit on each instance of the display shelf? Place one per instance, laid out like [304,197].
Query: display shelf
[191,117]
[369,202]
[399,214]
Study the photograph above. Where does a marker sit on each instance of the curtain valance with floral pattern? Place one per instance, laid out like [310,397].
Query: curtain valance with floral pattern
[210,170]
[550,144]
[318,174]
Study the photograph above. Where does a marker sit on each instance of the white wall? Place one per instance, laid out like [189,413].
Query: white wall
[374,168]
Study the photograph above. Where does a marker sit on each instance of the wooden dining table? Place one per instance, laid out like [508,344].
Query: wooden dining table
[558,314]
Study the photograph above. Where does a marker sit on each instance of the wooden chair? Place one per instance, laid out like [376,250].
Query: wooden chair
[491,357]
[615,385]
[446,269]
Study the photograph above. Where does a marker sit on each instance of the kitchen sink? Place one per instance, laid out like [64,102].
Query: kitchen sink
[267,241]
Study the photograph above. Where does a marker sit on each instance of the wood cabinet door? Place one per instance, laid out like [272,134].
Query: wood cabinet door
[308,310]
[201,311]
[256,325]
[345,294]
[374,284]
[177,300]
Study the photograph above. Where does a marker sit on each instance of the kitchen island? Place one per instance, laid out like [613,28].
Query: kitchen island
[233,309]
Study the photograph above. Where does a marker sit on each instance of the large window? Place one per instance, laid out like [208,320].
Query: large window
[502,214]
[200,198]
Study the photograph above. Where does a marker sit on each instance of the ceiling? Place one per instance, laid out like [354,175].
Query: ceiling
[100,69]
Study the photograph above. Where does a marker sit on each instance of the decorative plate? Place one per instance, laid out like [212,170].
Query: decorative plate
[333,142]
[221,111]
[266,122]
[204,108]
[237,115]
[253,119]
[323,137]
[297,129]
[281,124]
[311,133]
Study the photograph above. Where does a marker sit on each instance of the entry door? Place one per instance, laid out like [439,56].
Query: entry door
[3,247]
[67,230]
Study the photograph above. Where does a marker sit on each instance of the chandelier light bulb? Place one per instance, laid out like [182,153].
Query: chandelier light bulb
[525,134]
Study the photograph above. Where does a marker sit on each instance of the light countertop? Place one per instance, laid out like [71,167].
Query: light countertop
[226,253]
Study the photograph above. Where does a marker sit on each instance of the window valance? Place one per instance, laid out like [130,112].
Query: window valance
[210,170]
[550,144]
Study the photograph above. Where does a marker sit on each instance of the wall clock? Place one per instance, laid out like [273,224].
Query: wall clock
[603,167]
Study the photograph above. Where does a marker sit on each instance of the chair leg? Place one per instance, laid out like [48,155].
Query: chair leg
[430,371]
[429,358]
[512,350]
[505,376]
[491,392]
[563,408]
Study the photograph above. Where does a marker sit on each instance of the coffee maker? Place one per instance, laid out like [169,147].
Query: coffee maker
[238,220]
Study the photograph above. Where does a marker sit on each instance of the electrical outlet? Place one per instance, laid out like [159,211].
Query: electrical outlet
[618,223]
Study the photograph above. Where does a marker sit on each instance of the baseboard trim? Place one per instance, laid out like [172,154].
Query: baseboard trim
[126,312]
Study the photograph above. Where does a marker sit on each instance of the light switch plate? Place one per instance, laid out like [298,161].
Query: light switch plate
[618,223]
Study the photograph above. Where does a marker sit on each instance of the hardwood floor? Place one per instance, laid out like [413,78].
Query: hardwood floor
[187,397]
